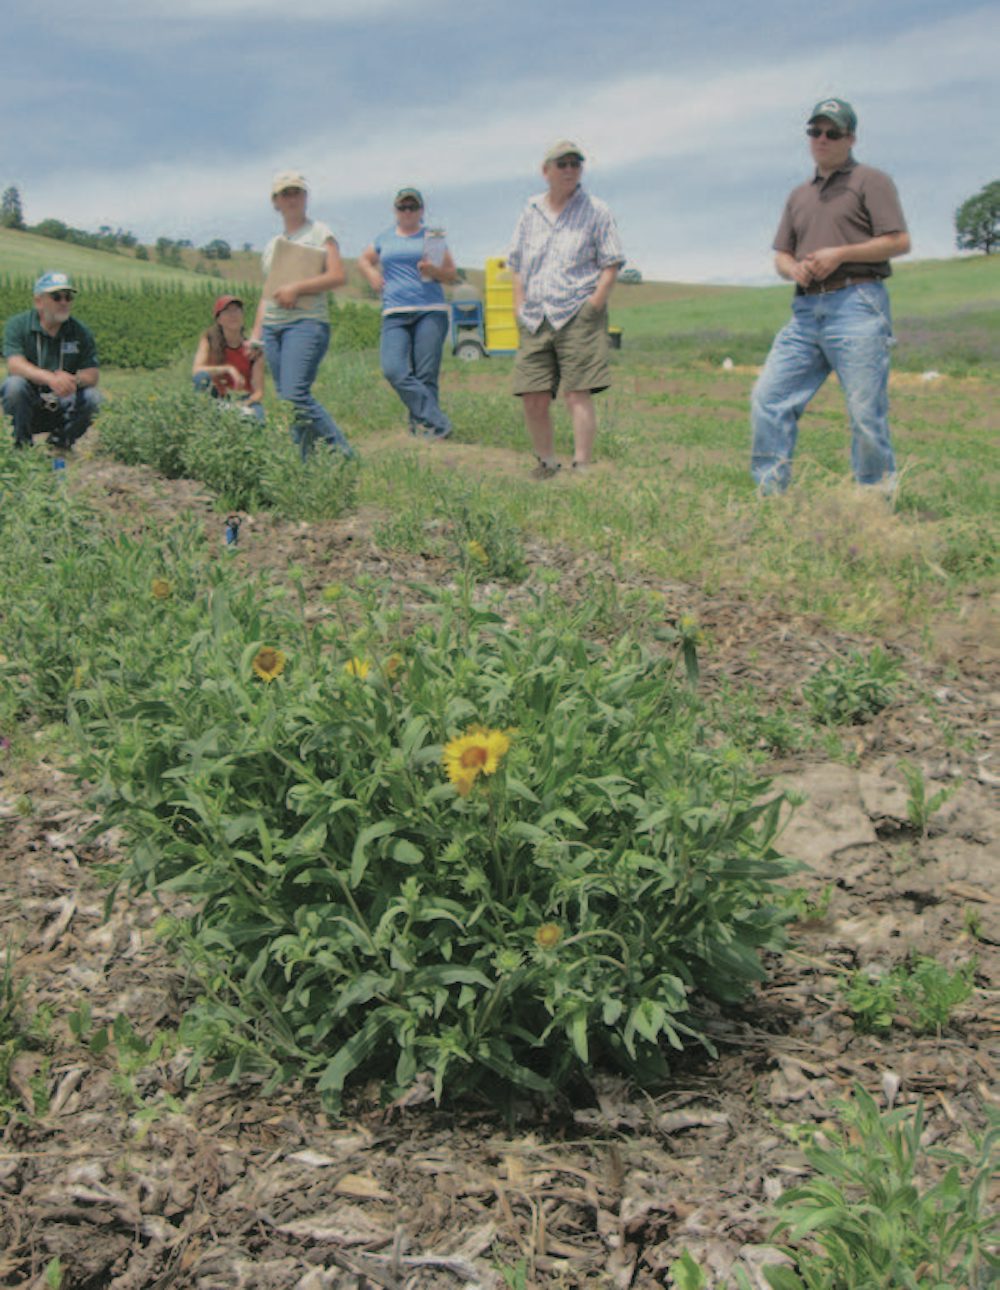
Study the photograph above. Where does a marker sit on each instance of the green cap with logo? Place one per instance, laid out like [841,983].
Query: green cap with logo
[839,111]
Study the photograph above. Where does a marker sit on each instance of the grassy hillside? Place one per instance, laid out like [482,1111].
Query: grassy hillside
[946,314]
[25,255]
[925,288]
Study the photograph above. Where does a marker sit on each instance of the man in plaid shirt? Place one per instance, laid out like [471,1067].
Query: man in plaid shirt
[564,260]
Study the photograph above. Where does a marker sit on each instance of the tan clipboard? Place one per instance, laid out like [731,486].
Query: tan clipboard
[291,262]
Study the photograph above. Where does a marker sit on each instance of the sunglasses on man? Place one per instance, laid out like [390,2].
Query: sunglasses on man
[569,163]
[814,132]
[407,206]
[61,297]
[289,192]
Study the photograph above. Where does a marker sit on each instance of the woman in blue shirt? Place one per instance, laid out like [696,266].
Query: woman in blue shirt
[414,312]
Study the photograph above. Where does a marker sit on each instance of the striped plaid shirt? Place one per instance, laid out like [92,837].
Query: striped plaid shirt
[560,257]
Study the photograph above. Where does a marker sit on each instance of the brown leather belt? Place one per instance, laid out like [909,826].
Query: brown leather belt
[835,284]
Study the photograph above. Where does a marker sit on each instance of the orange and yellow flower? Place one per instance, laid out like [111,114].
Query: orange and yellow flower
[392,665]
[268,663]
[548,936]
[162,588]
[478,752]
[359,667]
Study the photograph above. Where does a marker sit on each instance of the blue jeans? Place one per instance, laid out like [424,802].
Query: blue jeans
[411,360]
[64,422]
[294,354]
[848,332]
[202,382]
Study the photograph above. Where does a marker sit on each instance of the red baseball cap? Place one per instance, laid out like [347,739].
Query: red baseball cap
[223,302]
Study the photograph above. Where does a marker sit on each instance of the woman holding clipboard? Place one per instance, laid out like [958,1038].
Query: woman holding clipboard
[300,266]
[400,266]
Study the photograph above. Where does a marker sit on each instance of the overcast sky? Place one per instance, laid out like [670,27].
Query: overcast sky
[168,117]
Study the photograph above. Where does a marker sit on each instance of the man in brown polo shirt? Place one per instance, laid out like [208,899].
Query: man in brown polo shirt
[837,235]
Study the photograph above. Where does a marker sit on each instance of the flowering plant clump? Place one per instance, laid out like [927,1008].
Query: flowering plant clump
[269,663]
[390,882]
[385,880]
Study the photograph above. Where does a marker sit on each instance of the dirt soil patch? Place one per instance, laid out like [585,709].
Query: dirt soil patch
[132,1181]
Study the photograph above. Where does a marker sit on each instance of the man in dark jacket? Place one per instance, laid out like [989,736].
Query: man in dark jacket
[52,369]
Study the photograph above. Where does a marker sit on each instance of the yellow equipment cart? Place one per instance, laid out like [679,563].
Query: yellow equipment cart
[481,328]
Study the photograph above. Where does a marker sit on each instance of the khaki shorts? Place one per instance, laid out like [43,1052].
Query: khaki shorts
[573,358]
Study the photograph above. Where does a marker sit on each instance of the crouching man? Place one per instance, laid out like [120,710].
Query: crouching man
[52,371]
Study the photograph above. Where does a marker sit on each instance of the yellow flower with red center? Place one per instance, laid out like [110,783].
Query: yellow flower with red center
[268,663]
[392,665]
[548,936]
[358,667]
[477,752]
[162,588]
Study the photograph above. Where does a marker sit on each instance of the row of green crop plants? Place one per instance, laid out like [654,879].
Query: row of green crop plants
[149,325]
[246,465]
[419,842]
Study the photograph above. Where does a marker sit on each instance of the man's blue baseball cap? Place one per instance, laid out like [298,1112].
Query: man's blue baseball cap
[53,281]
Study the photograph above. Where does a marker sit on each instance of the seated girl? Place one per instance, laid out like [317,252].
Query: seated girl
[226,363]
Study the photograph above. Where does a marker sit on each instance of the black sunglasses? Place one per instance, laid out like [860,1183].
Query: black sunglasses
[407,206]
[289,192]
[569,163]
[61,297]
[814,132]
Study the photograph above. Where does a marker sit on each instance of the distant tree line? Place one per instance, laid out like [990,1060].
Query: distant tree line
[166,250]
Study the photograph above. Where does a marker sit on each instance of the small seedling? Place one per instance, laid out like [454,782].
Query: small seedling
[920,808]
[847,691]
[972,923]
[933,993]
[925,992]
[871,1000]
[805,910]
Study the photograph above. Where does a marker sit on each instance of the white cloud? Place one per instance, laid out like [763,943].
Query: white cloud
[356,12]
[727,117]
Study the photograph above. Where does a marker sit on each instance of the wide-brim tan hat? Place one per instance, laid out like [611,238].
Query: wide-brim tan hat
[288,179]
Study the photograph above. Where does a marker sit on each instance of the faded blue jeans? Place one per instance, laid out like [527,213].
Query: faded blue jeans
[410,353]
[848,332]
[294,353]
[32,412]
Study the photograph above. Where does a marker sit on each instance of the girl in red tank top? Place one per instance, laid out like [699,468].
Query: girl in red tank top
[226,363]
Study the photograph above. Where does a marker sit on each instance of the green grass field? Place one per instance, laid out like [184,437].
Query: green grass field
[671,495]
